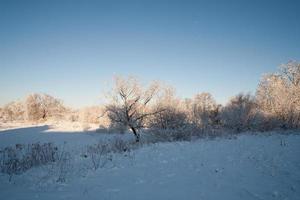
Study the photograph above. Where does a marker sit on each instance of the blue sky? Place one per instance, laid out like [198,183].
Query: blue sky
[72,49]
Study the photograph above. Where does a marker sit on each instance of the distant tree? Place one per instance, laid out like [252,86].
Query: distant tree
[204,110]
[13,111]
[91,114]
[42,107]
[52,107]
[172,115]
[34,107]
[129,104]
[240,113]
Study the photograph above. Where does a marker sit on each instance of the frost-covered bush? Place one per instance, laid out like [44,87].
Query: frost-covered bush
[98,154]
[63,164]
[19,158]
[180,120]
[170,135]
[119,145]
[169,119]
[117,128]
[267,122]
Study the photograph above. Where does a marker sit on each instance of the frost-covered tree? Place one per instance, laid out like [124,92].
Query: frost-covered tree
[13,111]
[271,96]
[42,107]
[34,107]
[52,107]
[172,115]
[278,95]
[204,110]
[129,104]
[290,72]
[240,113]
[91,114]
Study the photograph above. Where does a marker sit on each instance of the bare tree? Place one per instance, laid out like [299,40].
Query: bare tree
[129,104]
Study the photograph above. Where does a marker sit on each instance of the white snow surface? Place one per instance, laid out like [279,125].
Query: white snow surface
[249,166]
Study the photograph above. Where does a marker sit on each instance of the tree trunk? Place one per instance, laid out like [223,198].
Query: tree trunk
[136,134]
[44,114]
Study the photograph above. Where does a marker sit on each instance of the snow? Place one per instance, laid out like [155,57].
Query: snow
[249,166]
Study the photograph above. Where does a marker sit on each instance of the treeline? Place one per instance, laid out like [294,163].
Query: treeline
[156,108]
[36,108]
[276,105]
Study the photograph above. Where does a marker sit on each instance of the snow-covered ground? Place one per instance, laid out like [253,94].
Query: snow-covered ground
[250,166]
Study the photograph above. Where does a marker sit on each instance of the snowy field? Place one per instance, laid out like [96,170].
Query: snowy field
[249,166]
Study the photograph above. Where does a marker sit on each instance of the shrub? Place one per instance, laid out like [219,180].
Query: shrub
[19,158]
[101,153]
[120,146]
[169,135]
[63,163]
[169,119]
[98,154]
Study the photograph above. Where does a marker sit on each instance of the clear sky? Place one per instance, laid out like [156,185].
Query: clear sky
[72,49]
